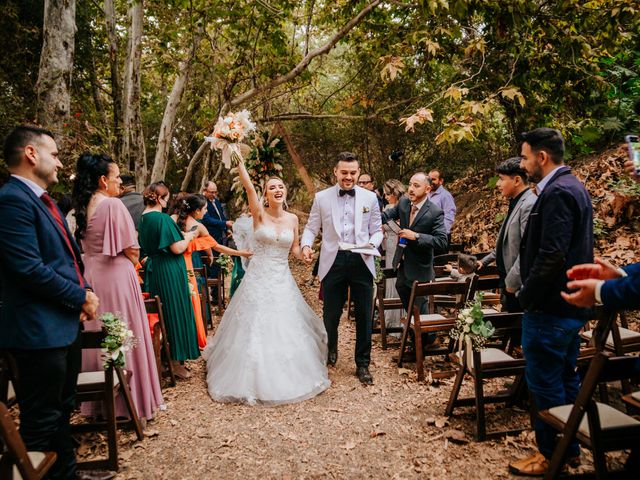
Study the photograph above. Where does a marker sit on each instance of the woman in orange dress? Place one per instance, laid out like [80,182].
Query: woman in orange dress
[188,210]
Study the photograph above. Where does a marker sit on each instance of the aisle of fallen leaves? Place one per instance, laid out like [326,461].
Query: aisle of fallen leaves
[395,429]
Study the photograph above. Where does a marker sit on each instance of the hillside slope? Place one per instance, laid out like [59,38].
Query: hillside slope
[616,203]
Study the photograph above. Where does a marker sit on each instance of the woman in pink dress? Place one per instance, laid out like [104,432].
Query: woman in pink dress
[110,247]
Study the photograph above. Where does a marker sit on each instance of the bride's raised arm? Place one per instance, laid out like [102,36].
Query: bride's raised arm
[255,206]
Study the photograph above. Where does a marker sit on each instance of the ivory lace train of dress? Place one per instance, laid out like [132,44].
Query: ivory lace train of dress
[270,347]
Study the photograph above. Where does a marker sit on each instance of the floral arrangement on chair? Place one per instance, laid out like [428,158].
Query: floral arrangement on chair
[228,135]
[118,340]
[225,262]
[471,328]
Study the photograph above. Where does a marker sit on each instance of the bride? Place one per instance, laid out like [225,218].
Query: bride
[270,347]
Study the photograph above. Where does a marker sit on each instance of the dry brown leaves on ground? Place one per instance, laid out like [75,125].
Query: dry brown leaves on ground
[395,429]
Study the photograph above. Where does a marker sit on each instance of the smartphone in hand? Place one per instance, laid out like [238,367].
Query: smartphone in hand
[633,143]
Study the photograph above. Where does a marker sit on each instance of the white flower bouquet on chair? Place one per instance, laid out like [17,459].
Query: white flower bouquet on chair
[118,340]
[228,135]
[471,328]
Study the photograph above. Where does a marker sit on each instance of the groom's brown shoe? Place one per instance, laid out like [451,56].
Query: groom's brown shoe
[332,359]
[364,376]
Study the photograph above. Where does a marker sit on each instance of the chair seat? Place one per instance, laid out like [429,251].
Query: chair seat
[34,457]
[392,301]
[626,336]
[11,393]
[636,396]
[431,317]
[489,311]
[609,418]
[93,378]
[489,356]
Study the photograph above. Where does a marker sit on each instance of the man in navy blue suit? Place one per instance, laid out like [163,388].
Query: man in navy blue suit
[559,235]
[216,223]
[215,219]
[44,296]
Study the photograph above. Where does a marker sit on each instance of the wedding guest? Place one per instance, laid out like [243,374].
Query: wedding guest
[422,227]
[44,296]
[131,199]
[443,199]
[242,236]
[166,274]
[110,248]
[393,191]
[467,265]
[189,211]
[514,185]
[366,181]
[216,222]
[559,235]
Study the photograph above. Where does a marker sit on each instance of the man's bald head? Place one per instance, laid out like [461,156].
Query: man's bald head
[210,190]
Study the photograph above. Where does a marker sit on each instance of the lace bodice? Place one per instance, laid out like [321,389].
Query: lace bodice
[269,244]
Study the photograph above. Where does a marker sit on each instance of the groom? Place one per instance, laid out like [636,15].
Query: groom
[350,214]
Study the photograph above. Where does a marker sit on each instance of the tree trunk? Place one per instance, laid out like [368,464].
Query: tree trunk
[168,120]
[302,171]
[116,78]
[56,64]
[133,148]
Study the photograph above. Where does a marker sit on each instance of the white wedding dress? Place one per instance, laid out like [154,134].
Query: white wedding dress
[270,347]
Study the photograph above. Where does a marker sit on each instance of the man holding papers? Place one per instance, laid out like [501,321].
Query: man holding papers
[349,217]
[423,231]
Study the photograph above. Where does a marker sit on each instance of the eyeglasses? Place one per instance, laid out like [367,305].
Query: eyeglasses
[211,191]
[364,182]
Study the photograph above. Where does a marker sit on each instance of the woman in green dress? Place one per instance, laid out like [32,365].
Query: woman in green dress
[166,274]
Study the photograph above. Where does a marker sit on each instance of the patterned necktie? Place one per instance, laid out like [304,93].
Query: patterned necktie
[46,199]
[414,210]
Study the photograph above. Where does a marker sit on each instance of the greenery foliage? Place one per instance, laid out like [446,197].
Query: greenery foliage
[475,73]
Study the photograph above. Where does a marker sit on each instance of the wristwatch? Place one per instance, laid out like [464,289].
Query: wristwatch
[417,235]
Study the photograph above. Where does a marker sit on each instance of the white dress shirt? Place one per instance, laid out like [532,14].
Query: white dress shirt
[347,205]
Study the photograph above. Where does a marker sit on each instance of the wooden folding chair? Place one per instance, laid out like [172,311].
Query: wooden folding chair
[15,461]
[440,260]
[104,385]
[432,322]
[490,363]
[217,282]
[160,341]
[381,304]
[604,429]
[632,399]
[456,247]
[205,301]
[621,340]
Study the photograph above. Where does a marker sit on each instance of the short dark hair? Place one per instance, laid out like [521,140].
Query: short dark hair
[440,176]
[347,157]
[128,180]
[18,138]
[546,139]
[511,167]
[467,263]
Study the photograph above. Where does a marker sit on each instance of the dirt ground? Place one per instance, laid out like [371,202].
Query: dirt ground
[394,429]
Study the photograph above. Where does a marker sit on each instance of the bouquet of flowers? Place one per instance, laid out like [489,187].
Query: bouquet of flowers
[263,162]
[228,135]
[225,262]
[471,327]
[117,342]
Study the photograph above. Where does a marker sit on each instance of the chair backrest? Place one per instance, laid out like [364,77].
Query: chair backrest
[153,305]
[92,338]
[16,451]
[488,271]
[440,260]
[199,272]
[480,255]
[456,247]
[453,289]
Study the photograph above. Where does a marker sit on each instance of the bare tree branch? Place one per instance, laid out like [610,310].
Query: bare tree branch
[304,63]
